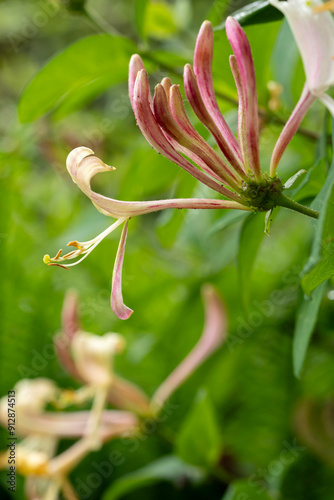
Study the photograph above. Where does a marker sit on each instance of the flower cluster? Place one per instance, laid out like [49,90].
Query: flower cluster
[89,359]
[234,173]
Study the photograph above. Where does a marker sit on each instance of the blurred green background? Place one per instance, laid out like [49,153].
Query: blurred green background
[259,407]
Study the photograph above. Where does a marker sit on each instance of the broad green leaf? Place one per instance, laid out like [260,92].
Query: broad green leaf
[306,319]
[255,13]
[169,468]
[86,68]
[251,236]
[246,490]
[199,440]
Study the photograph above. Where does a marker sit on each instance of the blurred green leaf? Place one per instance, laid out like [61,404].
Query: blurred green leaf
[319,266]
[324,266]
[306,319]
[255,13]
[228,219]
[285,46]
[89,66]
[310,184]
[308,478]
[160,21]
[169,468]
[251,236]
[140,14]
[199,440]
[217,11]
[245,490]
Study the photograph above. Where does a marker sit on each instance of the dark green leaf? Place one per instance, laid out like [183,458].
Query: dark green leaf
[306,319]
[169,468]
[255,13]
[199,440]
[88,67]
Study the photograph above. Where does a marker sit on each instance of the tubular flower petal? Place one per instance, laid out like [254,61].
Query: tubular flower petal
[191,142]
[203,70]
[291,126]
[249,137]
[117,304]
[152,132]
[69,315]
[313,28]
[214,334]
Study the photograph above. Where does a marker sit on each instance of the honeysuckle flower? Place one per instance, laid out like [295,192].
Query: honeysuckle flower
[313,28]
[213,335]
[234,174]
[32,395]
[93,356]
[42,430]
[124,394]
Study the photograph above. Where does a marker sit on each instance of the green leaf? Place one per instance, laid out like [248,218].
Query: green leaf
[227,219]
[140,15]
[324,266]
[199,440]
[306,319]
[251,236]
[160,21]
[311,184]
[169,468]
[245,490]
[86,68]
[320,265]
[285,47]
[255,13]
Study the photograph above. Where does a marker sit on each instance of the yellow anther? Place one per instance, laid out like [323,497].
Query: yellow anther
[324,7]
[46,259]
[74,244]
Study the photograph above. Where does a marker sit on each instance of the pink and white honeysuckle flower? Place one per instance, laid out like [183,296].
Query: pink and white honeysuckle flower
[46,472]
[124,394]
[93,356]
[32,395]
[83,165]
[313,29]
[213,336]
[163,120]
[42,431]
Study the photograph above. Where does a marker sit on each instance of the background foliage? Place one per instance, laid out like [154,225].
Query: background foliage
[245,403]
